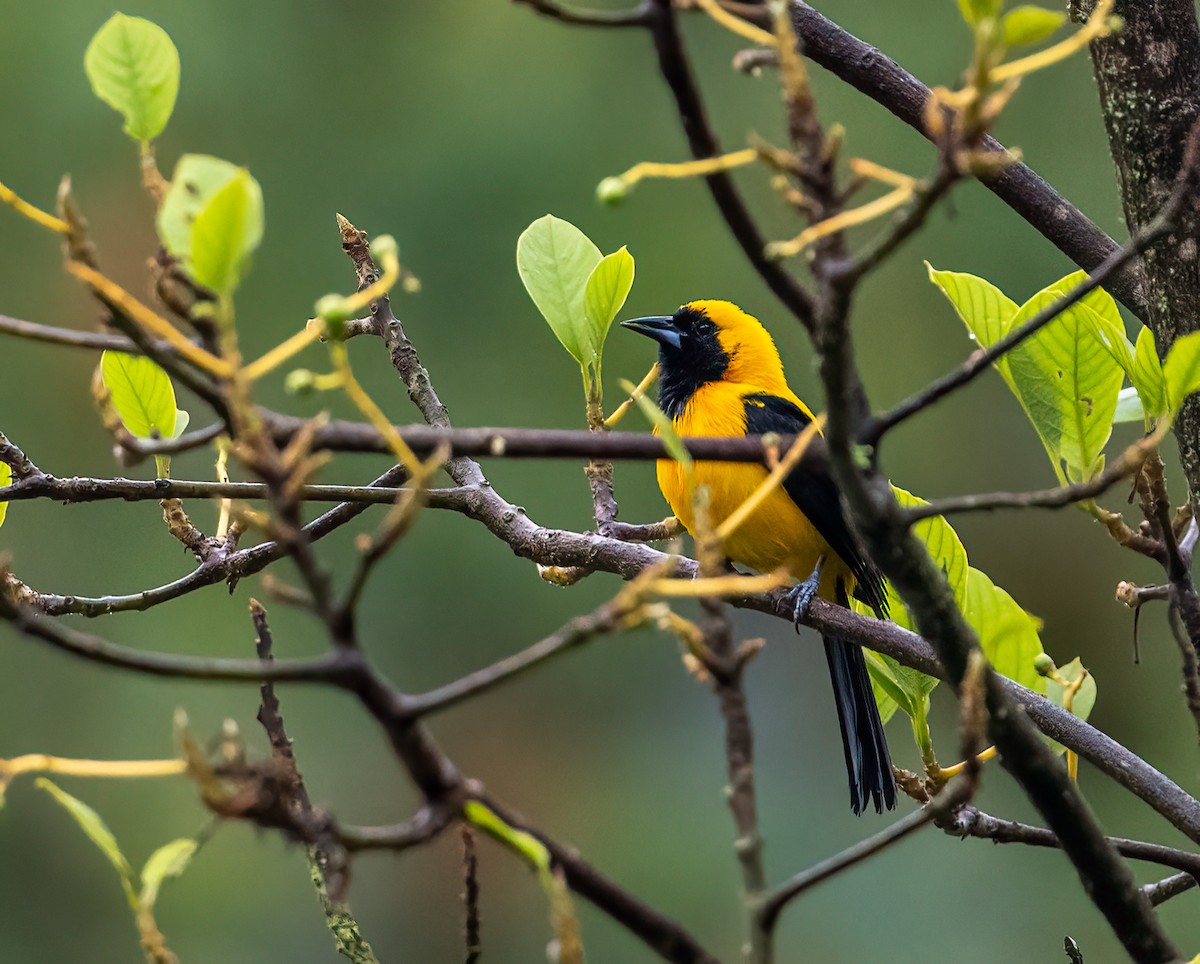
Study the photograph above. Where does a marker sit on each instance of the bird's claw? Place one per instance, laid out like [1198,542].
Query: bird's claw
[803,595]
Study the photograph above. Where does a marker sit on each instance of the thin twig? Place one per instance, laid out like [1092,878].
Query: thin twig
[579,630]
[1125,465]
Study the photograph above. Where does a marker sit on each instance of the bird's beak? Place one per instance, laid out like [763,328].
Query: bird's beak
[659,327]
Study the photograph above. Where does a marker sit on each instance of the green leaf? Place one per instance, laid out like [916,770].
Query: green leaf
[181,422]
[97,831]
[1104,320]
[555,260]
[169,860]
[226,232]
[5,480]
[604,295]
[1029,25]
[886,674]
[890,693]
[985,310]
[1007,634]
[197,178]
[974,11]
[134,68]
[942,542]
[1129,407]
[1147,374]
[1067,379]
[1181,369]
[141,393]
[1084,699]
[1081,705]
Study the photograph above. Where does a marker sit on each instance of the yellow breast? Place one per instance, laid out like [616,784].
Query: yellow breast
[776,533]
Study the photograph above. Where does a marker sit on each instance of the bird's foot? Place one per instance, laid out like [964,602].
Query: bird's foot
[803,595]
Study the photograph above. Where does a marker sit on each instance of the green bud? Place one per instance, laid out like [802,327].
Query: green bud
[612,190]
[384,247]
[1044,664]
[300,382]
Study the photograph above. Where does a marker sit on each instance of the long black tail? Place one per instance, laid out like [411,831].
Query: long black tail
[868,764]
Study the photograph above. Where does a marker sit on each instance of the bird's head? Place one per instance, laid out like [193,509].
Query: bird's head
[710,341]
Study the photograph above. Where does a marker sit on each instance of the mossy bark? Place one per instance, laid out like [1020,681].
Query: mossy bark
[1148,75]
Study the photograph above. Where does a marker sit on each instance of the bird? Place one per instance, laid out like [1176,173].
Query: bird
[720,374]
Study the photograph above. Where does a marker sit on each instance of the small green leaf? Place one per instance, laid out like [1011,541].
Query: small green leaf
[141,393]
[607,288]
[975,11]
[662,426]
[1147,374]
[226,232]
[1029,25]
[1129,407]
[890,693]
[5,480]
[134,68]
[97,831]
[181,422]
[1085,697]
[169,860]
[555,260]
[1181,369]
[1007,634]
[197,178]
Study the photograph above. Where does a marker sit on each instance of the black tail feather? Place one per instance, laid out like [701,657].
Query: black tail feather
[868,764]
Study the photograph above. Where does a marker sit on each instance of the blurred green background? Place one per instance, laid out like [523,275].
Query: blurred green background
[453,126]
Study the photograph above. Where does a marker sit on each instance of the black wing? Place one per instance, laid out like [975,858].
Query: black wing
[812,488]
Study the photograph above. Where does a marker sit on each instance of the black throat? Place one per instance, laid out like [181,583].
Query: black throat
[698,360]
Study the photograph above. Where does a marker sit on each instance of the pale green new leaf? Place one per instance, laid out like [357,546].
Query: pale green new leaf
[97,831]
[604,295]
[1129,407]
[1007,634]
[226,232]
[197,178]
[1181,369]
[1085,697]
[986,311]
[1147,374]
[555,260]
[5,480]
[973,11]
[1029,25]
[141,393]
[181,422]
[1067,379]
[169,860]
[134,68]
